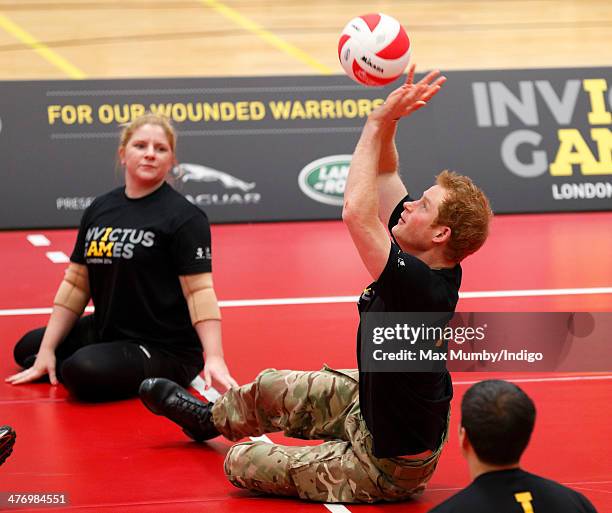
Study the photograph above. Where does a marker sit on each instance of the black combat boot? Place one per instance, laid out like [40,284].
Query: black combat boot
[7,441]
[165,397]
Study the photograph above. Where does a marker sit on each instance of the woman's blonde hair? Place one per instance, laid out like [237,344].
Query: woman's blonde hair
[148,119]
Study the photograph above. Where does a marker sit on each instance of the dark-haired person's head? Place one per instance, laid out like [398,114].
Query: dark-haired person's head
[497,420]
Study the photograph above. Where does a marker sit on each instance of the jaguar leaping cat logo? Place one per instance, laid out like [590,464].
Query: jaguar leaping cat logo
[198,173]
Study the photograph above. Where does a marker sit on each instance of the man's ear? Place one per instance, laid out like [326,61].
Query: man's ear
[464,441]
[441,234]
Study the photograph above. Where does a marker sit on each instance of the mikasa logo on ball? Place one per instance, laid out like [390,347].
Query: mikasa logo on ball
[324,179]
[368,62]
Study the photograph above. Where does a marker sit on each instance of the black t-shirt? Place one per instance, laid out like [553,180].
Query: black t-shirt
[407,412]
[510,491]
[135,250]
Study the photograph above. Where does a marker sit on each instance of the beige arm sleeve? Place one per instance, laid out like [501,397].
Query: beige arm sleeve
[200,295]
[73,293]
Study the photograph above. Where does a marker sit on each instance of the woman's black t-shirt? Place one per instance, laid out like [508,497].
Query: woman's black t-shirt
[135,250]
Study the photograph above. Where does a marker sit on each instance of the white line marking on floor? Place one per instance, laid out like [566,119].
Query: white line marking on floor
[262,438]
[591,489]
[58,257]
[34,311]
[601,377]
[588,482]
[211,394]
[454,489]
[25,311]
[535,292]
[463,295]
[336,508]
[232,303]
[37,239]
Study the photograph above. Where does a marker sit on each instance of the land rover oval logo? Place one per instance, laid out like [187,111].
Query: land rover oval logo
[324,179]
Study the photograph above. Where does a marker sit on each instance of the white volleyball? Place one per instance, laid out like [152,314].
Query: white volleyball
[374,49]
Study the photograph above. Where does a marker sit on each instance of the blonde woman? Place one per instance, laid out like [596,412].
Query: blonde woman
[143,255]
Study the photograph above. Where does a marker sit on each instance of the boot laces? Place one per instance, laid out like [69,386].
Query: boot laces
[190,405]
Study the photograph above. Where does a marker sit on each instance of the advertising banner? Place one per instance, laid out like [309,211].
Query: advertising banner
[279,148]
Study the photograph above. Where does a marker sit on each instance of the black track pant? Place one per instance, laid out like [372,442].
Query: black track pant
[102,371]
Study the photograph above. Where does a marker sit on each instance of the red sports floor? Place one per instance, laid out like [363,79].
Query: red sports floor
[119,457]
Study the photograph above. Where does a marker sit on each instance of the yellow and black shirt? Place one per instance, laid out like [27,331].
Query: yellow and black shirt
[515,491]
[135,250]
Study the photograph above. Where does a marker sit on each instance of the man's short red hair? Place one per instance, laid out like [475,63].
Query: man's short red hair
[466,211]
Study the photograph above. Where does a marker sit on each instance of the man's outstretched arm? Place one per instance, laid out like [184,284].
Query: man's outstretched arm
[361,197]
[391,188]
[360,212]
[389,184]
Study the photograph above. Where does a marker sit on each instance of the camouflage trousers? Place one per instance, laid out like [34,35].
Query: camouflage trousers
[321,405]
